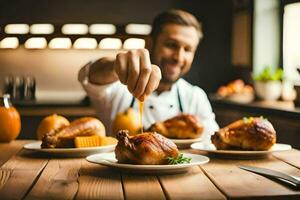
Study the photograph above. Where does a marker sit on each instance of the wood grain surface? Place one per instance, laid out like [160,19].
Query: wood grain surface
[32,175]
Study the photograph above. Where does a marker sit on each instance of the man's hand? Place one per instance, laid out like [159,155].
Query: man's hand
[135,70]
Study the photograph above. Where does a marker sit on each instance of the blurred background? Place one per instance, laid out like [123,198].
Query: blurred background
[44,43]
[240,36]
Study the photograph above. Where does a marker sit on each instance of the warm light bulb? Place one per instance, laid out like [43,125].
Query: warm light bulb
[110,43]
[75,29]
[60,43]
[105,29]
[134,43]
[9,43]
[36,43]
[139,29]
[41,29]
[85,43]
[16,29]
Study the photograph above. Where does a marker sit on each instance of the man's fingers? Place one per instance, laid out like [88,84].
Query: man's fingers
[153,82]
[145,72]
[134,69]
[121,67]
[133,62]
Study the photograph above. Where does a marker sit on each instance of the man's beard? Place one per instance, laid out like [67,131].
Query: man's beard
[165,78]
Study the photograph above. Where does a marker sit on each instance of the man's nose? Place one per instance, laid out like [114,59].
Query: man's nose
[179,55]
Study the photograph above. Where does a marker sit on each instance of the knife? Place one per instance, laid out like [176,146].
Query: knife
[274,174]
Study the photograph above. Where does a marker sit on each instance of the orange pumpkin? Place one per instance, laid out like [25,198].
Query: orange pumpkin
[10,122]
[128,120]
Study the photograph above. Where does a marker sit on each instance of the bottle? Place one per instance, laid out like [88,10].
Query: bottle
[18,88]
[29,88]
[10,122]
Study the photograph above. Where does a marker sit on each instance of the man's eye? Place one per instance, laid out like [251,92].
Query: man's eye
[189,49]
[171,45]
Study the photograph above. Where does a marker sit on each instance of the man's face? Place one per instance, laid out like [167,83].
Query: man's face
[173,51]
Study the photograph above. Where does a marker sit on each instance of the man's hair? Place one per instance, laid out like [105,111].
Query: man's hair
[179,17]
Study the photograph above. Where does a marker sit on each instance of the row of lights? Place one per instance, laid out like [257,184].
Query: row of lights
[80,43]
[76,29]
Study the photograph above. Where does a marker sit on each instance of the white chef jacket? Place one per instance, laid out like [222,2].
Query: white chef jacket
[110,99]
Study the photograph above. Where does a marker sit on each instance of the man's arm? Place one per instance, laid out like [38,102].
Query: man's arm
[132,68]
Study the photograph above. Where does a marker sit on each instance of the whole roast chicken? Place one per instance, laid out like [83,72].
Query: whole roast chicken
[254,133]
[183,126]
[148,148]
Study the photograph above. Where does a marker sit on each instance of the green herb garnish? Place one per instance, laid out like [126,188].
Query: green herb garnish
[179,160]
[247,120]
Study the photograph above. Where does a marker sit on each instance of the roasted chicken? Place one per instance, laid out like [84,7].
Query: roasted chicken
[246,134]
[65,136]
[148,148]
[183,126]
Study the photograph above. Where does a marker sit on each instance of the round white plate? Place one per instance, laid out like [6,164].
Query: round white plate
[109,159]
[185,143]
[210,148]
[68,152]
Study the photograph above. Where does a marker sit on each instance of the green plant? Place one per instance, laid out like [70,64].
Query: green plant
[269,75]
[179,160]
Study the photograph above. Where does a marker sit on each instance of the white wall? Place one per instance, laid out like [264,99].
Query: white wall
[291,42]
[266,34]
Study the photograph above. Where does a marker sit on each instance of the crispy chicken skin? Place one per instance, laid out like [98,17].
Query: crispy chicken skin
[148,148]
[246,134]
[183,126]
[64,137]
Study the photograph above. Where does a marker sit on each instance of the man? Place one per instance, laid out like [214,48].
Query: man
[111,83]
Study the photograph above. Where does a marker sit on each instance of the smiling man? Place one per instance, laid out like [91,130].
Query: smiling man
[155,77]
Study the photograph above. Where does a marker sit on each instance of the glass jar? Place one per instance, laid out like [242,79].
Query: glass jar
[10,122]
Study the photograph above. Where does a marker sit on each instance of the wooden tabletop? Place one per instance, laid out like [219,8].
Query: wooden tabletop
[27,175]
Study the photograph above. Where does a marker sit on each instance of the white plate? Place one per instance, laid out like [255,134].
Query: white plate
[185,143]
[108,159]
[68,152]
[210,148]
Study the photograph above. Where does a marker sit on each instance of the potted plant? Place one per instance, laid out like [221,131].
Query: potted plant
[268,84]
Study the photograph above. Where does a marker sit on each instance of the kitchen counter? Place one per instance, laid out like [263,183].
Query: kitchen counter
[31,175]
[61,110]
[275,108]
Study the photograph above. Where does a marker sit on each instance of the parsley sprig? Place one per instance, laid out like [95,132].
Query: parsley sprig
[179,160]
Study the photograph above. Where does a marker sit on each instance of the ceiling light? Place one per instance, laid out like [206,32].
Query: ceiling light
[105,29]
[41,29]
[140,29]
[9,43]
[134,43]
[16,29]
[85,43]
[60,43]
[36,43]
[75,29]
[110,43]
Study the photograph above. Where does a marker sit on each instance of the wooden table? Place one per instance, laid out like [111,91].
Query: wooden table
[26,175]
